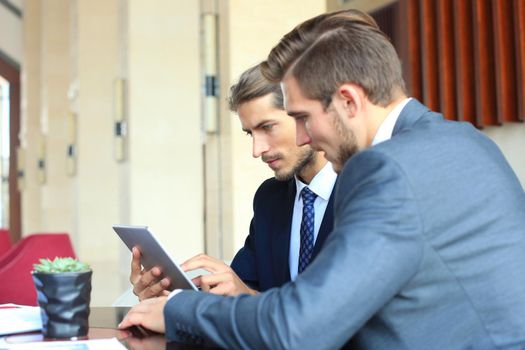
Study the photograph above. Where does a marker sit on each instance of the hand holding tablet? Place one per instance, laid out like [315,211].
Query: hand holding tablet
[153,254]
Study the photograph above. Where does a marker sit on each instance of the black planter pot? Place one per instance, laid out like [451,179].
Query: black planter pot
[64,303]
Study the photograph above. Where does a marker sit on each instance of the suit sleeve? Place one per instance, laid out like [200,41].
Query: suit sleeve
[244,263]
[375,249]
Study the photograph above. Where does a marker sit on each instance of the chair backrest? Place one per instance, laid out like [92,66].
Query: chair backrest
[5,241]
[16,283]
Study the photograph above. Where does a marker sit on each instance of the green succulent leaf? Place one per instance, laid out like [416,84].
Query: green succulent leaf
[60,265]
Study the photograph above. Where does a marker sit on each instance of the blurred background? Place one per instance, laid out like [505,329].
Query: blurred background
[114,111]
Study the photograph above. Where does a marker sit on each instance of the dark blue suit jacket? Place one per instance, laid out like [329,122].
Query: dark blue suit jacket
[263,261]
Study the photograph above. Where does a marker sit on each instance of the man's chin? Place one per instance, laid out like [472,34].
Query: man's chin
[283,175]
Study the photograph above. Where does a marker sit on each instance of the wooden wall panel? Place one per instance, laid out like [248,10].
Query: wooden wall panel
[386,19]
[447,71]
[505,60]
[409,46]
[484,63]
[464,60]
[429,54]
[519,40]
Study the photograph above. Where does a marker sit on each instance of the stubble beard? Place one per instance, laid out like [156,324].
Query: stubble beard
[306,159]
[348,146]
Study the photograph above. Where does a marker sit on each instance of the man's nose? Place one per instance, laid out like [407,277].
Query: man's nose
[260,146]
[301,135]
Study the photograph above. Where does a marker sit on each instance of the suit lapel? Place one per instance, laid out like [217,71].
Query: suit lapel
[280,231]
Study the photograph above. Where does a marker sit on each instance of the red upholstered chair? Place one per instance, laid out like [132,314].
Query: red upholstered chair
[16,283]
[5,241]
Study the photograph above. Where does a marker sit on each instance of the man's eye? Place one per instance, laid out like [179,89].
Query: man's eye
[267,127]
[249,133]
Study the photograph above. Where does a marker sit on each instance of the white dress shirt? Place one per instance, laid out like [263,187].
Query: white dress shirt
[322,185]
[387,126]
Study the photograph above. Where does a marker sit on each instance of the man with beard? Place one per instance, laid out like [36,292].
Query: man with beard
[429,218]
[278,246]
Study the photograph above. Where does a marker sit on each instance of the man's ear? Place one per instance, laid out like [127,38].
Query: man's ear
[351,96]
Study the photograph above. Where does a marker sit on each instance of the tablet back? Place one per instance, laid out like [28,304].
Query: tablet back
[153,254]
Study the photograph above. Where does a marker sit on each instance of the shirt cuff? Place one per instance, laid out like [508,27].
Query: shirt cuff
[173,293]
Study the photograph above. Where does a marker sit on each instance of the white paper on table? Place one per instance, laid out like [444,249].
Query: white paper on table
[98,344]
[19,319]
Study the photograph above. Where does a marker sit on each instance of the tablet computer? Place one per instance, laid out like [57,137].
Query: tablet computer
[153,254]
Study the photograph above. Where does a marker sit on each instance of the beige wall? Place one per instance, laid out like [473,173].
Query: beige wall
[47,206]
[30,131]
[76,50]
[56,193]
[94,59]
[11,39]
[511,140]
[63,42]
[165,161]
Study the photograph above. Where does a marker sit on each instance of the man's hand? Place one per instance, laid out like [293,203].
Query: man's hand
[146,283]
[222,280]
[149,314]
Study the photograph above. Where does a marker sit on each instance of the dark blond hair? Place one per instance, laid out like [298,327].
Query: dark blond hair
[335,48]
[252,84]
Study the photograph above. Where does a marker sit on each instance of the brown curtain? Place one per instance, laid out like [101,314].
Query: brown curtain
[463,58]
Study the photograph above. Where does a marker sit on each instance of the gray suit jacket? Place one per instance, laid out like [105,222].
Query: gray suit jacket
[427,252]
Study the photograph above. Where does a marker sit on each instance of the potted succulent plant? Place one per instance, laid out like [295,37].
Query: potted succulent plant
[63,291]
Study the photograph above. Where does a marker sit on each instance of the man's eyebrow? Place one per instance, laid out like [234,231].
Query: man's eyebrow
[258,125]
[296,113]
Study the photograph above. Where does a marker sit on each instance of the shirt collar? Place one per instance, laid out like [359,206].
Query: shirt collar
[322,184]
[386,128]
